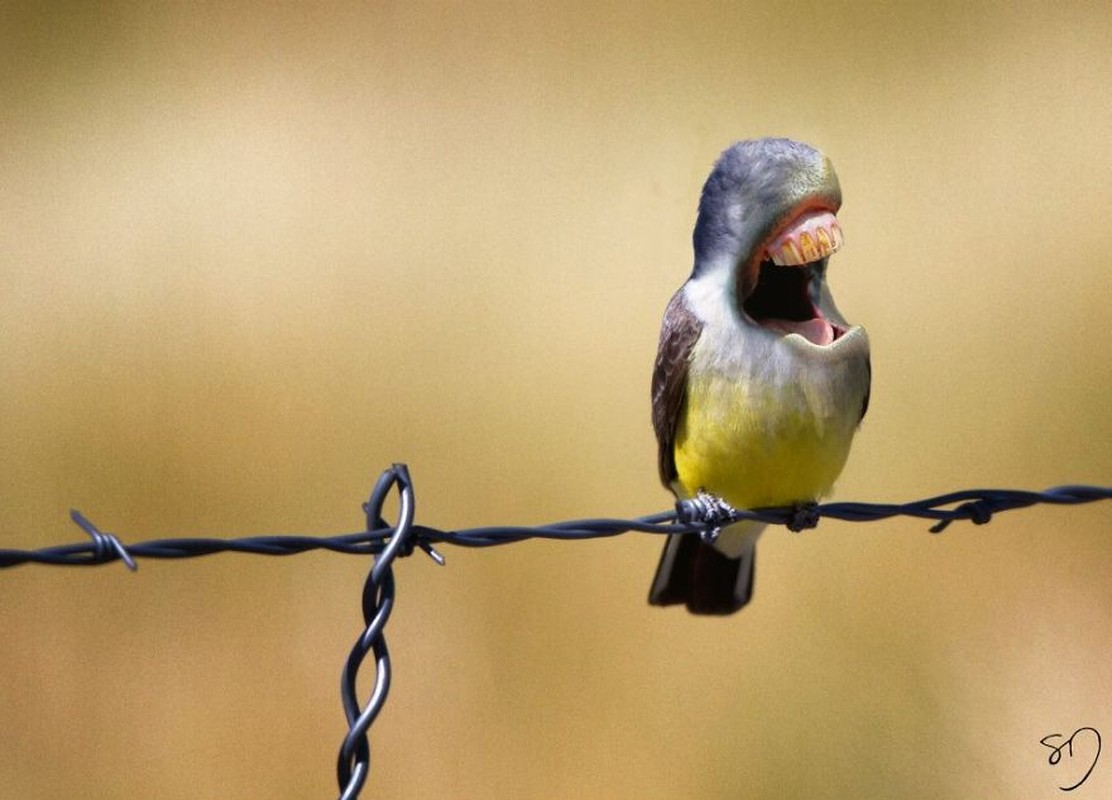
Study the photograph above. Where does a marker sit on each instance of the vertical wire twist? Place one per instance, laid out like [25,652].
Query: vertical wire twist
[354,762]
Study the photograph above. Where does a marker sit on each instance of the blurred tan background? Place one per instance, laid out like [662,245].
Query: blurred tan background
[252,254]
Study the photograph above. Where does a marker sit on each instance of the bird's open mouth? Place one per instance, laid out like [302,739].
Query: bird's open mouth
[782,297]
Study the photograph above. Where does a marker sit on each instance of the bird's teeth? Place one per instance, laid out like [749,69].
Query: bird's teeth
[813,236]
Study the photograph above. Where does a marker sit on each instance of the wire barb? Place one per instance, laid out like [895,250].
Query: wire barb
[106,547]
[978,512]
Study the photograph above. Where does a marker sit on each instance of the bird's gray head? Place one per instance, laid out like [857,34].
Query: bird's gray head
[766,219]
[757,187]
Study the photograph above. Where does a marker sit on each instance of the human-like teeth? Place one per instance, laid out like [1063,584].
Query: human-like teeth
[812,236]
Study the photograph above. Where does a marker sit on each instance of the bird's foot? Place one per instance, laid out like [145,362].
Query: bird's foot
[708,509]
[804,517]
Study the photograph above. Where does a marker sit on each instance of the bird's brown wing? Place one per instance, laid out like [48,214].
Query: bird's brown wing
[678,333]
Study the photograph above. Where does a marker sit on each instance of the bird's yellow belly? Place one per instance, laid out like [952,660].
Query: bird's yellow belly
[759,446]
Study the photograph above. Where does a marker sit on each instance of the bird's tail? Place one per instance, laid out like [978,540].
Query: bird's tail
[704,578]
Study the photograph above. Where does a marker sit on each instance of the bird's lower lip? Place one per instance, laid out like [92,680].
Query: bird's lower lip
[817,331]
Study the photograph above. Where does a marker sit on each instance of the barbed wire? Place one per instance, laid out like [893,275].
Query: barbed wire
[701,515]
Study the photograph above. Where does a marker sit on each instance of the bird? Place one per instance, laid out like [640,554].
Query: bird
[759,382]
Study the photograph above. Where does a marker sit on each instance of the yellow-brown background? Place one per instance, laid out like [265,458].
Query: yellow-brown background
[251,254]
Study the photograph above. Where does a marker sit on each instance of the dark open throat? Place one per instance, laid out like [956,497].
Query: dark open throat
[781,293]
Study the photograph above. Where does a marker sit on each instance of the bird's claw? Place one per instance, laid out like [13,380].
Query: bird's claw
[709,510]
[804,517]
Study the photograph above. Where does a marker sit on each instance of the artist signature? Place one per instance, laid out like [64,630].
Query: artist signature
[1067,745]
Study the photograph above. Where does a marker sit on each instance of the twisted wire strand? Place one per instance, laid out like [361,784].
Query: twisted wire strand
[976,505]
[387,542]
[354,763]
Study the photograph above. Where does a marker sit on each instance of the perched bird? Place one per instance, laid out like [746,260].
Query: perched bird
[759,383]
